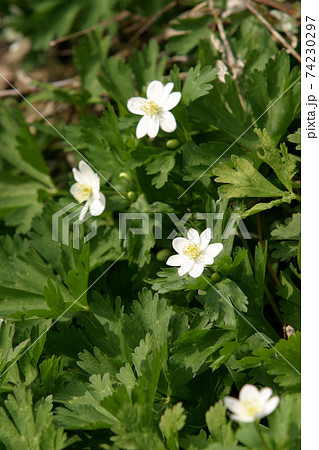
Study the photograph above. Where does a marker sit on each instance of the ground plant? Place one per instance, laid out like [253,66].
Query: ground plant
[150,225]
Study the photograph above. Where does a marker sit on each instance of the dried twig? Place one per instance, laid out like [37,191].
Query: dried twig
[229,57]
[153,19]
[285,7]
[71,82]
[118,18]
[275,33]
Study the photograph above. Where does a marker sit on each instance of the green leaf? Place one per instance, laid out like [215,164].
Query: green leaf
[145,66]
[82,409]
[289,234]
[280,160]
[193,349]
[194,29]
[117,80]
[220,301]
[290,303]
[289,230]
[88,57]
[172,421]
[19,201]
[244,180]
[24,425]
[274,95]
[162,165]
[219,429]
[295,138]
[285,423]
[283,362]
[198,83]
[19,147]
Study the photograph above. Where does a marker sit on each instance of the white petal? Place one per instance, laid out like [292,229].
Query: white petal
[193,235]
[186,267]
[205,259]
[165,93]
[197,270]
[248,392]
[85,169]
[141,128]
[97,205]
[175,260]
[179,243]
[213,249]
[233,404]
[78,176]
[134,105]
[172,101]
[205,238]
[242,418]
[153,126]
[271,405]
[167,121]
[264,394]
[155,91]
[84,210]
[73,189]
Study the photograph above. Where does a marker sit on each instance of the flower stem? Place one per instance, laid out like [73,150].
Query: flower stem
[263,440]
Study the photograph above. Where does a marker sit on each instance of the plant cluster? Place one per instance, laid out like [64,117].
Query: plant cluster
[121,343]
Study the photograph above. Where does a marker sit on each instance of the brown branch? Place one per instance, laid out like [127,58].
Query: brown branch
[71,82]
[153,19]
[230,59]
[285,7]
[118,18]
[275,33]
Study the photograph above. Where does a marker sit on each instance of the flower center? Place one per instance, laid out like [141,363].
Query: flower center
[191,250]
[251,407]
[82,192]
[150,108]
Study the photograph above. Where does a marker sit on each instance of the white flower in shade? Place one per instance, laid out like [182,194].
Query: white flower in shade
[155,109]
[87,189]
[252,403]
[194,253]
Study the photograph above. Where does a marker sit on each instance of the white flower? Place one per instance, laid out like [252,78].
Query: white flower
[194,253]
[252,404]
[87,189]
[155,109]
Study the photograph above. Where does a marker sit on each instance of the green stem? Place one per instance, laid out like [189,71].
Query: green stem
[297,197]
[261,437]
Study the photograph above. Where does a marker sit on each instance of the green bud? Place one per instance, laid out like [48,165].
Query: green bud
[173,143]
[216,277]
[163,254]
[125,175]
[131,196]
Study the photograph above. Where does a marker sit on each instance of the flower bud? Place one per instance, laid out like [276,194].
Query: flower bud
[173,143]
[163,254]
[131,196]
[216,277]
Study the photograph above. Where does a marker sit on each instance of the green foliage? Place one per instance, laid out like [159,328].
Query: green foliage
[28,425]
[102,345]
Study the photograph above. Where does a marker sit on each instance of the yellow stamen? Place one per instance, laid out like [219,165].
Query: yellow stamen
[191,250]
[150,107]
[251,407]
[82,192]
